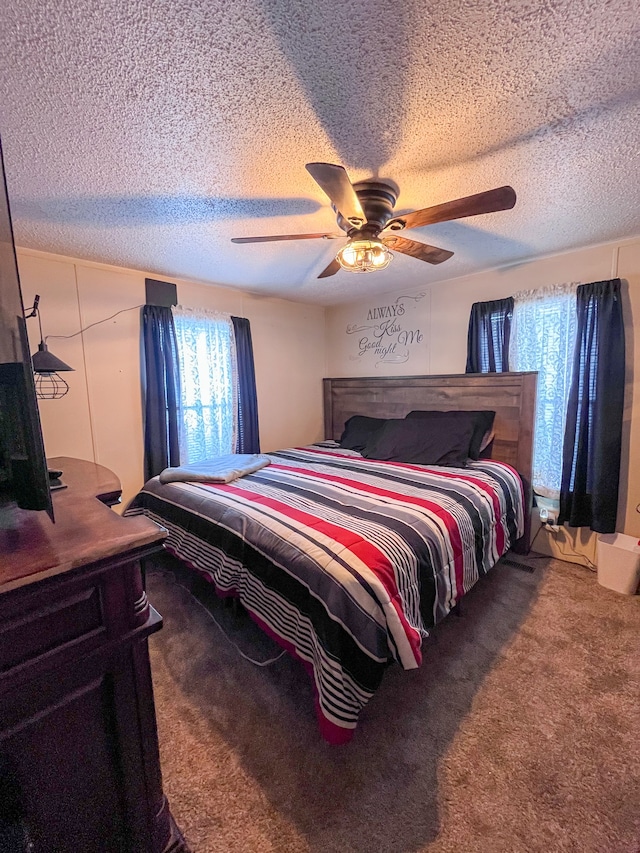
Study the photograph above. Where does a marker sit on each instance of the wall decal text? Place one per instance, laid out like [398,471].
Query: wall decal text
[393,338]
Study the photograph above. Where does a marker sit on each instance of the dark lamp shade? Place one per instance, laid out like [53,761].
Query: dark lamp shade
[44,361]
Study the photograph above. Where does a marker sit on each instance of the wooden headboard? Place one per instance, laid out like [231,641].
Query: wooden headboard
[511,395]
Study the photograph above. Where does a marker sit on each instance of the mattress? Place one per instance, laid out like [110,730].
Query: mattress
[346,561]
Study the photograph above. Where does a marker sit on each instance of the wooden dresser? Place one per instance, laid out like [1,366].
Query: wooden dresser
[79,761]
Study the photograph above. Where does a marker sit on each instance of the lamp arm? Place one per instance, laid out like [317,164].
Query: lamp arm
[36,313]
[34,309]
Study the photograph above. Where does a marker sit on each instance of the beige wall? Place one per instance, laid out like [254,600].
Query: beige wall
[101,416]
[442,315]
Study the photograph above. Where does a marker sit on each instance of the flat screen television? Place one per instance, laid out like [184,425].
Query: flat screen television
[23,469]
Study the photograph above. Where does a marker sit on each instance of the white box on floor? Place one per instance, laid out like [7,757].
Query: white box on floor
[619,562]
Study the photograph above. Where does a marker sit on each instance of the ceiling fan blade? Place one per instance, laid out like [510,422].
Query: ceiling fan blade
[502,198]
[430,254]
[336,184]
[285,237]
[332,269]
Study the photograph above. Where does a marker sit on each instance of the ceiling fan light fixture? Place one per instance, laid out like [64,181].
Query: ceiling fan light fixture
[364,255]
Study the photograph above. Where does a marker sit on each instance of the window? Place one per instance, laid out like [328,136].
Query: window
[207,415]
[573,336]
[543,335]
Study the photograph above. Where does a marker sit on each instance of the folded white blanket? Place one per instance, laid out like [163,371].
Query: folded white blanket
[222,469]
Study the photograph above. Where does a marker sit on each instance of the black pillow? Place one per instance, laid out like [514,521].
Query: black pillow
[410,441]
[481,421]
[357,431]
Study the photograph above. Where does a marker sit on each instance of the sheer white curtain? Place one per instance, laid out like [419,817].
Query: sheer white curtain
[208,378]
[543,334]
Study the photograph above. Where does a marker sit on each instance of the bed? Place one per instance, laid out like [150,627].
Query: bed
[347,561]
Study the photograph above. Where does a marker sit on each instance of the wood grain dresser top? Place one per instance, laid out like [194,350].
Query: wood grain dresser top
[85,531]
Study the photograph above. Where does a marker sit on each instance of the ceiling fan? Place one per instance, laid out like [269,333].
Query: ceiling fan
[365,213]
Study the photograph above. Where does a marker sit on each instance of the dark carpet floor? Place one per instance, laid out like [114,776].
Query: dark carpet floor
[519,734]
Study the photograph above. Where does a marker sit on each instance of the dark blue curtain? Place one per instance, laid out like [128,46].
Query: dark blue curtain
[488,336]
[161,390]
[593,434]
[248,433]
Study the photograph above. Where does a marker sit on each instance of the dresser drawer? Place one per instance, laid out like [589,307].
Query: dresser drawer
[45,624]
[74,617]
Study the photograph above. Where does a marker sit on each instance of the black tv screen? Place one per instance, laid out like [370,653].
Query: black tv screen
[23,468]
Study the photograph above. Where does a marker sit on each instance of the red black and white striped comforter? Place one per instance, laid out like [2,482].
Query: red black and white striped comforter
[346,561]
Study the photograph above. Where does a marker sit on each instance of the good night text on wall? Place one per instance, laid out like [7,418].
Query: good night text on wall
[391,333]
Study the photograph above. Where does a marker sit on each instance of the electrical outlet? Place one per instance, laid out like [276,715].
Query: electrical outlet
[548,516]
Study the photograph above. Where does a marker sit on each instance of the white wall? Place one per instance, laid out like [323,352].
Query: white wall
[442,317]
[100,419]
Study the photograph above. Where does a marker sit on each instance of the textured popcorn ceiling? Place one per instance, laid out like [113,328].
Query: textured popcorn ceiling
[147,133]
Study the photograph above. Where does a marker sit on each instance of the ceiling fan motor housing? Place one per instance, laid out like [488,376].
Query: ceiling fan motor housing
[378,200]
